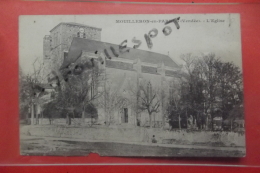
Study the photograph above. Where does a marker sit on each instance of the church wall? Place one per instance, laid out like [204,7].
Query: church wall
[59,41]
[125,80]
[124,83]
[70,31]
[121,77]
[47,40]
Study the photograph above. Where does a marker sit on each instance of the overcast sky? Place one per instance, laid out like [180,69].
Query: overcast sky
[221,38]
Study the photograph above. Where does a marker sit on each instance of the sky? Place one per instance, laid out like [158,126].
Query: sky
[198,34]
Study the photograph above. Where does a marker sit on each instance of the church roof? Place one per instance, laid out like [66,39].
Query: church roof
[80,44]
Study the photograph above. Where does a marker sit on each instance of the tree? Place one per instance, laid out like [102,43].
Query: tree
[176,104]
[215,87]
[149,100]
[24,95]
[230,87]
[209,76]
[135,101]
[80,89]
[192,88]
[29,89]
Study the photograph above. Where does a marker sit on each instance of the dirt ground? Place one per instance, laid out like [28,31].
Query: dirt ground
[41,146]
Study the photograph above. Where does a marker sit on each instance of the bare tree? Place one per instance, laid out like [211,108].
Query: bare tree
[112,100]
[134,93]
[29,87]
[149,100]
[176,104]
[25,95]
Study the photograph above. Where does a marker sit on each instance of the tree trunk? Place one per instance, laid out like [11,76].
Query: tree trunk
[162,109]
[27,116]
[180,121]
[231,125]
[186,119]
[163,119]
[32,114]
[68,119]
[37,117]
[108,119]
[150,117]
[211,117]
[107,116]
[154,124]
[207,122]
[212,126]
[83,116]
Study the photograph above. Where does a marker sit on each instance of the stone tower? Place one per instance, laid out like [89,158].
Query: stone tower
[57,44]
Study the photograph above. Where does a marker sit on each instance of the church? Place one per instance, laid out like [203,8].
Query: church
[128,74]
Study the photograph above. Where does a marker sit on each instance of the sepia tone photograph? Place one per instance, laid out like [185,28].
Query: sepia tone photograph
[166,85]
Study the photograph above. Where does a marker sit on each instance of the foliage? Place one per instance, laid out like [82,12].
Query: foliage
[28,89]
[79,91]
[212,88]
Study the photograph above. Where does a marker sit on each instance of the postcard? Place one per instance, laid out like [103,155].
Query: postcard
[164,85]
